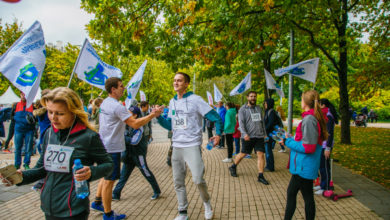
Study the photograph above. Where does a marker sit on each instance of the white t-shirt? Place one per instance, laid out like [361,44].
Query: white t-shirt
[187,118]
[111,125]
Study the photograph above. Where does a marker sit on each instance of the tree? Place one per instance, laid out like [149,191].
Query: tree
[330,30]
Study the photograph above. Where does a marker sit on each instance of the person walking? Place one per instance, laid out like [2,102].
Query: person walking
[24,132]
[305,153]
[253,134]
[332,117]
[270,119]
[185,116]
[70,137]
[237,137]
[112,121]
[230,122]
[135,156]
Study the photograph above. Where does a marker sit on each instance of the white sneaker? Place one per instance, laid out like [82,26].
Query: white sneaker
[208,211]
[282,151]
[181,217]
[227,160]
[316,188]
[319,192]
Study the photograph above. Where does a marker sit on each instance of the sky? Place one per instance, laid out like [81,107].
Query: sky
[61,20]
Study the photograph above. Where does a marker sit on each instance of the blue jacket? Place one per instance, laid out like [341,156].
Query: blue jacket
[21,124]
[306,148]
[222,112]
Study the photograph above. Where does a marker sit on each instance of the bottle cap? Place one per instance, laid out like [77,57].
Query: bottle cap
[77,161]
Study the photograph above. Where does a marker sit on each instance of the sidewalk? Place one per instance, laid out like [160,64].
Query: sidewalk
[231,198]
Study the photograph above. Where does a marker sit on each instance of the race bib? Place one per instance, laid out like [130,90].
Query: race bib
[255,117]
[57,158]
[180,122]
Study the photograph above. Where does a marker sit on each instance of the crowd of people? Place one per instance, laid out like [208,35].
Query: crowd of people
[107,133]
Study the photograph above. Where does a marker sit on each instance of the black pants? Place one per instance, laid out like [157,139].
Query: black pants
[210,132]
[325,172]
[229,143]
[222,141]
[11,131]
[81,216]
[306,187]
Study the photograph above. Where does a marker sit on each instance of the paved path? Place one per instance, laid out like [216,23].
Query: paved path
[232,198]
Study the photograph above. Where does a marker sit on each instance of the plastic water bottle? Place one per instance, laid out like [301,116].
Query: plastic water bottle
[277,136]
[82,190]
[266,139]
[279,129]
[210,145]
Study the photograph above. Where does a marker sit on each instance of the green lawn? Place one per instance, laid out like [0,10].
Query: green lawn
[369,154]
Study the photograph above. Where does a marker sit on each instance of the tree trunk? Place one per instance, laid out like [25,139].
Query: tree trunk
[343,82]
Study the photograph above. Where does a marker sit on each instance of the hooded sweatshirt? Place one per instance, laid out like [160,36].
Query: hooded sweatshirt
[255,129]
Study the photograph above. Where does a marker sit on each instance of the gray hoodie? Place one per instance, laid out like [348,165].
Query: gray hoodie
[255,129]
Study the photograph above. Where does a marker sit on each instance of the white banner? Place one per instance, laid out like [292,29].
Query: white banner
[142,95]
[244,85]
[306,70]
[23,63]
[217,94]
[91,69]
[134,84]
[271,83]
[209,98]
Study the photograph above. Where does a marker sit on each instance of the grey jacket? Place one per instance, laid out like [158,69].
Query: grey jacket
[247,126]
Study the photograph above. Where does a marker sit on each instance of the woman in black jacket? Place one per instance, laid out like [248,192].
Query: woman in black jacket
[70,137]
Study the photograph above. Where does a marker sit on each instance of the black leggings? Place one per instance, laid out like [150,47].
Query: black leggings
[229,143]
[306,186]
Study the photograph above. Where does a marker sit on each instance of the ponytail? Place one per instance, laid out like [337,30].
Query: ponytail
[311,98]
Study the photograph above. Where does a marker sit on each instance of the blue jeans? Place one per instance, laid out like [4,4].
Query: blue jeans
[20,138]
[269,155]
[237,143]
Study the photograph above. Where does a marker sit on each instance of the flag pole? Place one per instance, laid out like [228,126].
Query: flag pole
[291,85]
[77,61]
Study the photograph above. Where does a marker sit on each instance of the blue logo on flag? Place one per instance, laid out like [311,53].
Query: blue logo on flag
[28,75]
[241,89]
[96,76]
[297,71]
[128,94]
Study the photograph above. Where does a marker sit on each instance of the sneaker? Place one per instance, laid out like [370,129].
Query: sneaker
[282,151]
[96,207]
[262,180]
[181,217]
[233,171]
[208,211]
[26,167]
[227,160]
[248,156]
[155,196]
[7,151]
[114,216]
[319,192]
[316,188]
[115,197]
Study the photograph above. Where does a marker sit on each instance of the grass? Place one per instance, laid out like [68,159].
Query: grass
[369,154]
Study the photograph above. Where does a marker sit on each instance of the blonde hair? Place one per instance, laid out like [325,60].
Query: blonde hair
[311,98]
[71,100]
[281,112]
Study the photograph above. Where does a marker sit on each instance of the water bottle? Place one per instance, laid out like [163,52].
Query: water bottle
[277,136]
[210,145]
[266,139]
[279,129]
[82,191]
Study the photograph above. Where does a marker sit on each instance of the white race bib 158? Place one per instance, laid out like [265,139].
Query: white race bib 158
[57,158]
[179,122]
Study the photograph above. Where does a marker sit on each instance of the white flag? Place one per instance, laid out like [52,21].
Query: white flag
[271,83]
[23,63]
[142,95]
[306,70]
[91,69]
[134,84]
[244,85]
[209,98]
[217,94]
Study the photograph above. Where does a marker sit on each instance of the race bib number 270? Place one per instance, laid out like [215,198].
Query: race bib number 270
[57,158]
